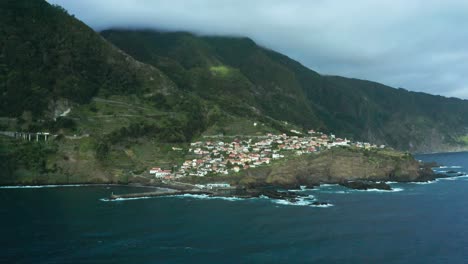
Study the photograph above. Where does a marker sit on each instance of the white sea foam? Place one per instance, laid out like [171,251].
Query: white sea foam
[450,167]
[348,191]
[301,202]
[448,178]
[207,197]
[424,183]
[195,196]
[339,192]
[303,188]
[328,185]
[381,191]
[285,202]
[198,196]
[334,192]
[323,205]
[452,178]
[124,199]
[41,186]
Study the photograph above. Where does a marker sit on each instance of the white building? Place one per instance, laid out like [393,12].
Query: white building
[217,185]
[159,173]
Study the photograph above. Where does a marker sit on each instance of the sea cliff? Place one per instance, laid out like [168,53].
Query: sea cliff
[336,165]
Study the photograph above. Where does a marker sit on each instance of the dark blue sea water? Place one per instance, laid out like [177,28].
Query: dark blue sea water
[420,223]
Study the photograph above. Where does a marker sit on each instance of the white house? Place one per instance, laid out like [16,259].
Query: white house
[154,170]
[218,185]
[159,173]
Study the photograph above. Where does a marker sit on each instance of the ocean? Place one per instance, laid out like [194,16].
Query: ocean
[415,223]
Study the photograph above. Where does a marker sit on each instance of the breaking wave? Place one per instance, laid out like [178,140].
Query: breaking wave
[303,188]
[301,201]
[381,191]
[207,197]
[328,185]
[125,199]
[452,178]
[424,183]
[41,186]
[323,205]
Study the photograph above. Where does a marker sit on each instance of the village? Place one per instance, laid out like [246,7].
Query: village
[216,157]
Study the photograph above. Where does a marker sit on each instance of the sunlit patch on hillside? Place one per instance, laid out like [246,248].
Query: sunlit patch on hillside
[221,70]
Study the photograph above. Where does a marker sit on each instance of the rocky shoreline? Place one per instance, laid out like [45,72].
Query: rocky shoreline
[285,192]
[276,182]
[278,192]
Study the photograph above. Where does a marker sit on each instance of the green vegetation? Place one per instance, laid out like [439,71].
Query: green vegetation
[47,54]
[128,109]
[222,70]
[270,84]
[235,126]
[24,161]
[463,140]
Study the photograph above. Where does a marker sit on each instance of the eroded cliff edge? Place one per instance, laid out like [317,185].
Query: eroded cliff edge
[336,165]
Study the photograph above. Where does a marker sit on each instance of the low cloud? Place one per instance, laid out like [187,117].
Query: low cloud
[418,45]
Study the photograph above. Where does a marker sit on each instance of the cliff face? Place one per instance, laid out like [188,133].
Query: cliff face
[334,166]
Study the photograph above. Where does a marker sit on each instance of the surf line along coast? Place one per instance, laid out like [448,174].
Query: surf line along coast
[264,186]
[227,192]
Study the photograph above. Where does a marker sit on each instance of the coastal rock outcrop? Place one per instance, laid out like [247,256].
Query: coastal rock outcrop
[338,165]
[366,185]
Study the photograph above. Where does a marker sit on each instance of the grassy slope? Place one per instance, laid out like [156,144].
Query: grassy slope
[76,160]
[254,85]
[282,88]
[49,62]
[128,115]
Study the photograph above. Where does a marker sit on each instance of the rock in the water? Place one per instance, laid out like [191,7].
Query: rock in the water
[365,185]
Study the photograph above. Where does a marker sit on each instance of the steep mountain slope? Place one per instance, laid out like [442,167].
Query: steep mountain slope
[236,70]
[116,113]
[46,54]
[113,114]
[233,72]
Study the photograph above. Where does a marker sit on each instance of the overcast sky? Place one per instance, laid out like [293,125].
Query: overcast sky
[420,45]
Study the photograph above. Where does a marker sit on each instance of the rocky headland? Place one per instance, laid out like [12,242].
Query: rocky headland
[334,166]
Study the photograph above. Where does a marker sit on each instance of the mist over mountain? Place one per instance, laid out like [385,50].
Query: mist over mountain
[284,89]
[417,45]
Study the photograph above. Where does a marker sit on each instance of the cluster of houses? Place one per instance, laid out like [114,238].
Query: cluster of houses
[218,157]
